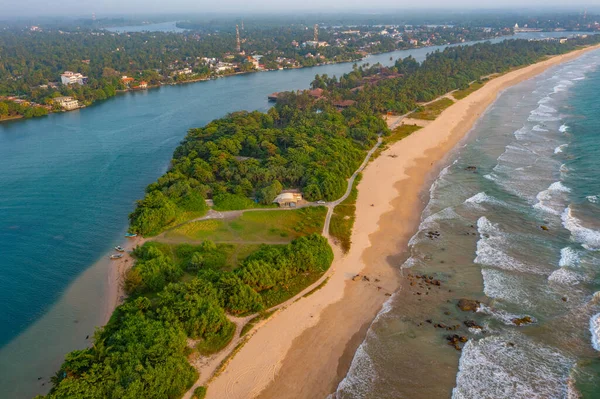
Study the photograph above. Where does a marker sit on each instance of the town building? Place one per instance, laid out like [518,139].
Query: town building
[143,85]
[69,78]
[67,103]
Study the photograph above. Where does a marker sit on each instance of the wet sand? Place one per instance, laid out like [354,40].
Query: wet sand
[306,349]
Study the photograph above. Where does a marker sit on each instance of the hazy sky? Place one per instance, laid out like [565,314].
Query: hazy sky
[112,7]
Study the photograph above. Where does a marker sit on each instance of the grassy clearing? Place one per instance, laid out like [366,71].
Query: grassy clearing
[257,226]
[343,218]
[431,111]
[460,94]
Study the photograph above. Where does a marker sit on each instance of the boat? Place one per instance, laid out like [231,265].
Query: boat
[116,256]
[120,248]
[130,235]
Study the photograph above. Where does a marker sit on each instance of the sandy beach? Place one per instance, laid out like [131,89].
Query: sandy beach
[305,349]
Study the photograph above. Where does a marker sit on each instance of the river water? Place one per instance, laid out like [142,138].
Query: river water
[68,183]
[514,222]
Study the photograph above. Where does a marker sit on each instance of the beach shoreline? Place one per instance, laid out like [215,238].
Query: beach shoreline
[306,349]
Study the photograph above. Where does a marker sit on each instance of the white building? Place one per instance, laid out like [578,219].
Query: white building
[69,78]
[67,103]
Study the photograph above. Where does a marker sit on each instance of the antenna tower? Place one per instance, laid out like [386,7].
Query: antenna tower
[316,30]
[238,47]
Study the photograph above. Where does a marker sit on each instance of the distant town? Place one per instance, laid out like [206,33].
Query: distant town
[68,76]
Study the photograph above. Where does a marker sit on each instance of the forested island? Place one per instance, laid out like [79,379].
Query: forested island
[183,296]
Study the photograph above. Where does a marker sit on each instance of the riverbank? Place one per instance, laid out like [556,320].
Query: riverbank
[324,329]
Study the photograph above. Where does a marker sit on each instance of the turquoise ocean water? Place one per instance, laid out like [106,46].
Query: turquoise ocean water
[536,157]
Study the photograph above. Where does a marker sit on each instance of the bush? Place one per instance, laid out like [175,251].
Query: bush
[200,392]
[232,202]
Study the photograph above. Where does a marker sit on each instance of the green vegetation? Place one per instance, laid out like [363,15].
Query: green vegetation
[401,132]
[460,94]
[13,110]
[255,226]
[255,154]
[200,392]
[169,206]
[141,353]
[401,88]
[254,321]
[343,217]
[431,111]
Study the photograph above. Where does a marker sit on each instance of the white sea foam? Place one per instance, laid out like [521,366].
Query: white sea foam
[595,330]
[539,128]
[548,199]
[594,199]
[483,198]
[360,376]
[588,238]
[560,148]
[501,315]
[565,276]
[580,78]
[563,128]
[511,366]
[569,257]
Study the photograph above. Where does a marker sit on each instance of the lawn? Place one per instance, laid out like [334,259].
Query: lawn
[431,111]
[460,94]
[280,226]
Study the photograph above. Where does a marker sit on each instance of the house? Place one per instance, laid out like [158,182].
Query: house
[288,198]
[127,80]
[69,78]
[143,85]
[316,93]
[340,105]
[67,103]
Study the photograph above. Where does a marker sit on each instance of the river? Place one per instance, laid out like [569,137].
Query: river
[68,182]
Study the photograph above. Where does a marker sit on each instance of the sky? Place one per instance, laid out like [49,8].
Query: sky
[119,7]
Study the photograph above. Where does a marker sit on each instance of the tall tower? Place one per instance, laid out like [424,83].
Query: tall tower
[242,24]
[93,16]
[316,30]
[238,47]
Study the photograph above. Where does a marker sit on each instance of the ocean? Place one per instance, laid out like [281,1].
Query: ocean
[512,221]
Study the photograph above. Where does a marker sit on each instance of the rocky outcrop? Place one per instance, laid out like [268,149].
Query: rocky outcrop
[468,305]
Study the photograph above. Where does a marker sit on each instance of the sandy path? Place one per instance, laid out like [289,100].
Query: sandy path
[305,349]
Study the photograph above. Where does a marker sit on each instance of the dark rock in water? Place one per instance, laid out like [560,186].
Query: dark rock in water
[39,378]
[388,294]
[468,305]
[471,168]
[545,228]
[472,324]
[564,299]
[429,321]
[432,234]
[511,344]
[447,313]
[463,339]
[522,320]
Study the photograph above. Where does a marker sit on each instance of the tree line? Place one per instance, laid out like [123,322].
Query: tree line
[142,351]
